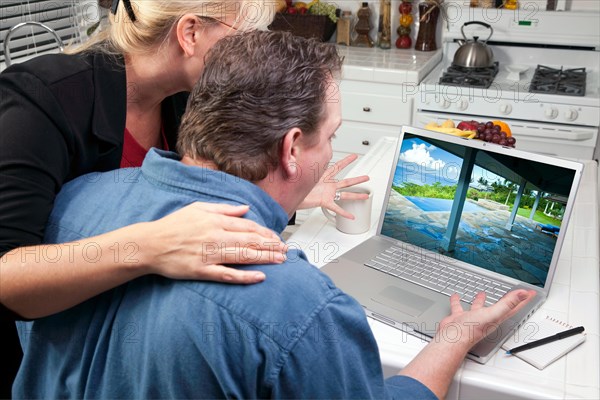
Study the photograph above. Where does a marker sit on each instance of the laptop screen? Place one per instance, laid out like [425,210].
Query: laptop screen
[491,210]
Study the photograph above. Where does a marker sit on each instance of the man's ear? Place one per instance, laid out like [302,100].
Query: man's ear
[290,152]
[188,33]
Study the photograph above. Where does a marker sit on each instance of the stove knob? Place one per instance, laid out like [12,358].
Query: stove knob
[444,103]
[505,109]
[551,112]
[571,115]
[462,105]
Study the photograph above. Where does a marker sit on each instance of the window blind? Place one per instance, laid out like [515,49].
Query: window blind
[63,16]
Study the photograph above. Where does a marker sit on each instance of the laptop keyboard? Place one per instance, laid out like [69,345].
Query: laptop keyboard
[437,276]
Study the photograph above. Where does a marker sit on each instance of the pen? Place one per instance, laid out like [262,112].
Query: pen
[549,339]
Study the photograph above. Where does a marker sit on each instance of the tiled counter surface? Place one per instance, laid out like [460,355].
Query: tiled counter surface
[574,298]
[395,66]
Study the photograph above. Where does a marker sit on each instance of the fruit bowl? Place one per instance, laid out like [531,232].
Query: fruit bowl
[497,132]
[306,25]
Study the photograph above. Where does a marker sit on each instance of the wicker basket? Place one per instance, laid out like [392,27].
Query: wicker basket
[307,26]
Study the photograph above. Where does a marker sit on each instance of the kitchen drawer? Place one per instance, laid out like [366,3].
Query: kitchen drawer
[358,138]
[376,109]
[376,103]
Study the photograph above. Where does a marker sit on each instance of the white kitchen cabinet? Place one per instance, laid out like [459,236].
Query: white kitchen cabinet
[370,111]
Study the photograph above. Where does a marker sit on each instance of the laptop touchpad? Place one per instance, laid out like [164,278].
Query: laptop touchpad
[403,301]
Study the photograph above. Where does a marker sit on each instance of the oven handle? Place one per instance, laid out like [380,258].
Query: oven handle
[574,136]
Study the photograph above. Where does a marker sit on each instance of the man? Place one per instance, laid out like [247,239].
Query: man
[257,131]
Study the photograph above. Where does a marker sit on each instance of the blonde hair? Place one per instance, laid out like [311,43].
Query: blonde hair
[154,20]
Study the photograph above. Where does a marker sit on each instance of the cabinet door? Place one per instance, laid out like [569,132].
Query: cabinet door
[357,137]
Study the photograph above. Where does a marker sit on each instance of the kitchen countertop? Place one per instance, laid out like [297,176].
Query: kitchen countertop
[574,298]
[396,66]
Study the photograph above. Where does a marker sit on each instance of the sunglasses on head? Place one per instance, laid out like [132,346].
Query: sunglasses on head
[128,8]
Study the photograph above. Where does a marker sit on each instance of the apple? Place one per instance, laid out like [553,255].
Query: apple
[292,10]
[302,10]
[467,125]
[405,7]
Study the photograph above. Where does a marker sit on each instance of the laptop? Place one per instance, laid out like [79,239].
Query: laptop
[464,216]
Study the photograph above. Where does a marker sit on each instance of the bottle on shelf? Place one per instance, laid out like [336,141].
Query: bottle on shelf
[344,25]
[384,38]
[363,27]
[428,15]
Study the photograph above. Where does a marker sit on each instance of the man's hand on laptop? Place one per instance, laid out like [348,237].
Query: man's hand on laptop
[468,327]
[436,365]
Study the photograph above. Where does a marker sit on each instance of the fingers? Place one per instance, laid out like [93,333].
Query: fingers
[219,273]
[478,301]
[333,207]
[240,225]
[513,302]
[225,209]
[353,196]
[344,183]
[455,306]
[237,253]
[344,162]
[332,171]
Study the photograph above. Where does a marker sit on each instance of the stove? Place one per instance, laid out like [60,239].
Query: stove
[482,77]
[570,82]
[552,105]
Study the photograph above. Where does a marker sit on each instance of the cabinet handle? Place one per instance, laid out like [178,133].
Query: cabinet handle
[367,109]
[365,142]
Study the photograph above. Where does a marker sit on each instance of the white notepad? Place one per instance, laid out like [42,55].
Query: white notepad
[539,328]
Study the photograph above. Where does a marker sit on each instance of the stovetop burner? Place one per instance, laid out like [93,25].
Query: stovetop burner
[471,77]
[569,82]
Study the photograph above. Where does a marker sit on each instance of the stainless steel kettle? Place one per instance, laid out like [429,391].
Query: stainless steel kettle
[474,53]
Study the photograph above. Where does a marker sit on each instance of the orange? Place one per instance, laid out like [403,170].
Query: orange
[503,127]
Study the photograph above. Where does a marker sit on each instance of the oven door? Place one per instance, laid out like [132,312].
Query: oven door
[567,141]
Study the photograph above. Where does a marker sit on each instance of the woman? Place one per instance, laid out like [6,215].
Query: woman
[102,108]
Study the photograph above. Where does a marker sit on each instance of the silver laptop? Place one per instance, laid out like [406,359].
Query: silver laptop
[460,216]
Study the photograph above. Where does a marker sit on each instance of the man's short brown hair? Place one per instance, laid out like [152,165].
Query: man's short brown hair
[256,87]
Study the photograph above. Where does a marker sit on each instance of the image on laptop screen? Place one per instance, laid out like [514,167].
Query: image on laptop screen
[491,210]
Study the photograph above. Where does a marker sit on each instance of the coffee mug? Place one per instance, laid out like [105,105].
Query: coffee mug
[361,209]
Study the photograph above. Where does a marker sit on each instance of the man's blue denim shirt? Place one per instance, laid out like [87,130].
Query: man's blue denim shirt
[293,336]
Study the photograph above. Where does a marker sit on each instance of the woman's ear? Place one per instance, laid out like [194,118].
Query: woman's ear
[188,29]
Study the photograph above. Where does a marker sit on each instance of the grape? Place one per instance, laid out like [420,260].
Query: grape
[511,141]
[488,137]
[503,134]
[487,131]
[496,139]
[489,124]
[503,142]
[497,127]
[480,128]
[324,9]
